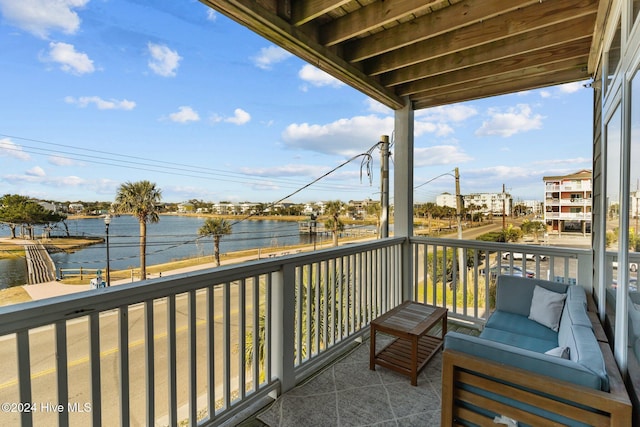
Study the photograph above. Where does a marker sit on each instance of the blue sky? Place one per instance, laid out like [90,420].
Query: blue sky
[99,92]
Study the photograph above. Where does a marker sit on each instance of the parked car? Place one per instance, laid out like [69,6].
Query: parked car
[508,271]
[632,266]
[520,255]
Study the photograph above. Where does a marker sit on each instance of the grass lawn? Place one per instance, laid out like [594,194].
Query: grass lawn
[13,295]
[10,250]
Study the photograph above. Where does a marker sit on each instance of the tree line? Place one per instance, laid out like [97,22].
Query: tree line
[20,211]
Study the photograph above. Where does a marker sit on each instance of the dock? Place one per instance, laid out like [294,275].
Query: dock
[40,266]
[312,228]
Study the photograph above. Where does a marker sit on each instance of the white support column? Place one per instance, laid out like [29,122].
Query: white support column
[282,328]
[403,190]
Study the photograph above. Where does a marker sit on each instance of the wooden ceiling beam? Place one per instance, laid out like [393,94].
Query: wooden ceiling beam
[505,48]
[564,56]
[303,11]
[518,22]
[500,86]
[368,18]
[428,26]
[272,27]
[432,52]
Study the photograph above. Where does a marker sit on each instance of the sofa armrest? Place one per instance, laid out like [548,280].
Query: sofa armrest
[475,390]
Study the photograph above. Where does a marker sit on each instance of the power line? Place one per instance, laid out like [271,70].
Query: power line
[152,165]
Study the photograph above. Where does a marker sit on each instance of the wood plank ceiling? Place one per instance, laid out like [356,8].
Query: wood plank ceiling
[432,52]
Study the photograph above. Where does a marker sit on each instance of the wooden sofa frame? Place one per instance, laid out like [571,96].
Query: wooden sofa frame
[582,404]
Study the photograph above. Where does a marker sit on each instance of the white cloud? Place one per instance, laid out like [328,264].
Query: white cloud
[36,171]
[421,127]
[317,77]
[377,107]
[211,15]
[63,161]
[269,56]
[286,170]
[70,60]
[571,87]
[184,114]
[576,162]
[515,120]
[164,61]
[261,186]
[93,186]
[39,17]
[545,94]
[346,137]
[9,148]
[440,155]
[240,117]
[61,181]
[101,104]
[447,113]
[516,177]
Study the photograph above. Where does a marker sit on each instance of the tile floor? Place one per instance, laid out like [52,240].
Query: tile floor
[347,393]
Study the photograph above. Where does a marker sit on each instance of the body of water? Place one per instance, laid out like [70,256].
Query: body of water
[173,238]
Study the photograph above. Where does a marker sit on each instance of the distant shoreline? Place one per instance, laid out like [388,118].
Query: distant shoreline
[284,218]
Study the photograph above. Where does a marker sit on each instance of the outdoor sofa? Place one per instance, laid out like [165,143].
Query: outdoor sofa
[536,362]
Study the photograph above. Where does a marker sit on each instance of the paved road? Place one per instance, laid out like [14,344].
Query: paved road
[43,362]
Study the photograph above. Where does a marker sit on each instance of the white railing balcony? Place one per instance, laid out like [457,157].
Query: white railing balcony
[208,348]
[198,348]
[576,202]
[464,291]
[581,186]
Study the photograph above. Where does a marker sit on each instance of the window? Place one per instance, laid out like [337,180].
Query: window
[634,236]
[612,205]
[613,54]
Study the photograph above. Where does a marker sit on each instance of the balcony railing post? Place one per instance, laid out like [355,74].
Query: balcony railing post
[283,324]
[585,271]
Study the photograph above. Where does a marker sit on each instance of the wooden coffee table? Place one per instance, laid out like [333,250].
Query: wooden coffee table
[409,353]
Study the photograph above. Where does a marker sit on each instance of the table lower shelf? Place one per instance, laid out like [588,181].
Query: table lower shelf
[397,355]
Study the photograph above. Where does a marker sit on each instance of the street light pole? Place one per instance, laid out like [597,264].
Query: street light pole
[107,221]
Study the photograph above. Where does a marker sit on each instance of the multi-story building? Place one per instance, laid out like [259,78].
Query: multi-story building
[534,207]
[485,203]
[567,202]
[446,199]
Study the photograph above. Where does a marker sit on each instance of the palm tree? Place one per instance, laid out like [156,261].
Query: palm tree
[533,227]
[216,227]
[333,223]
[141,199]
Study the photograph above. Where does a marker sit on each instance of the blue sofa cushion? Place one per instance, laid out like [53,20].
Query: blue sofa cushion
[538,345]
[585,351]
[518,324]
[514,294]
[578,295]
[574,314]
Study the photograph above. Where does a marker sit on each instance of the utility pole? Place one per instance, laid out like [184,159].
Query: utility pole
[384,186]
[458,203]
[462,268]
[504,219]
